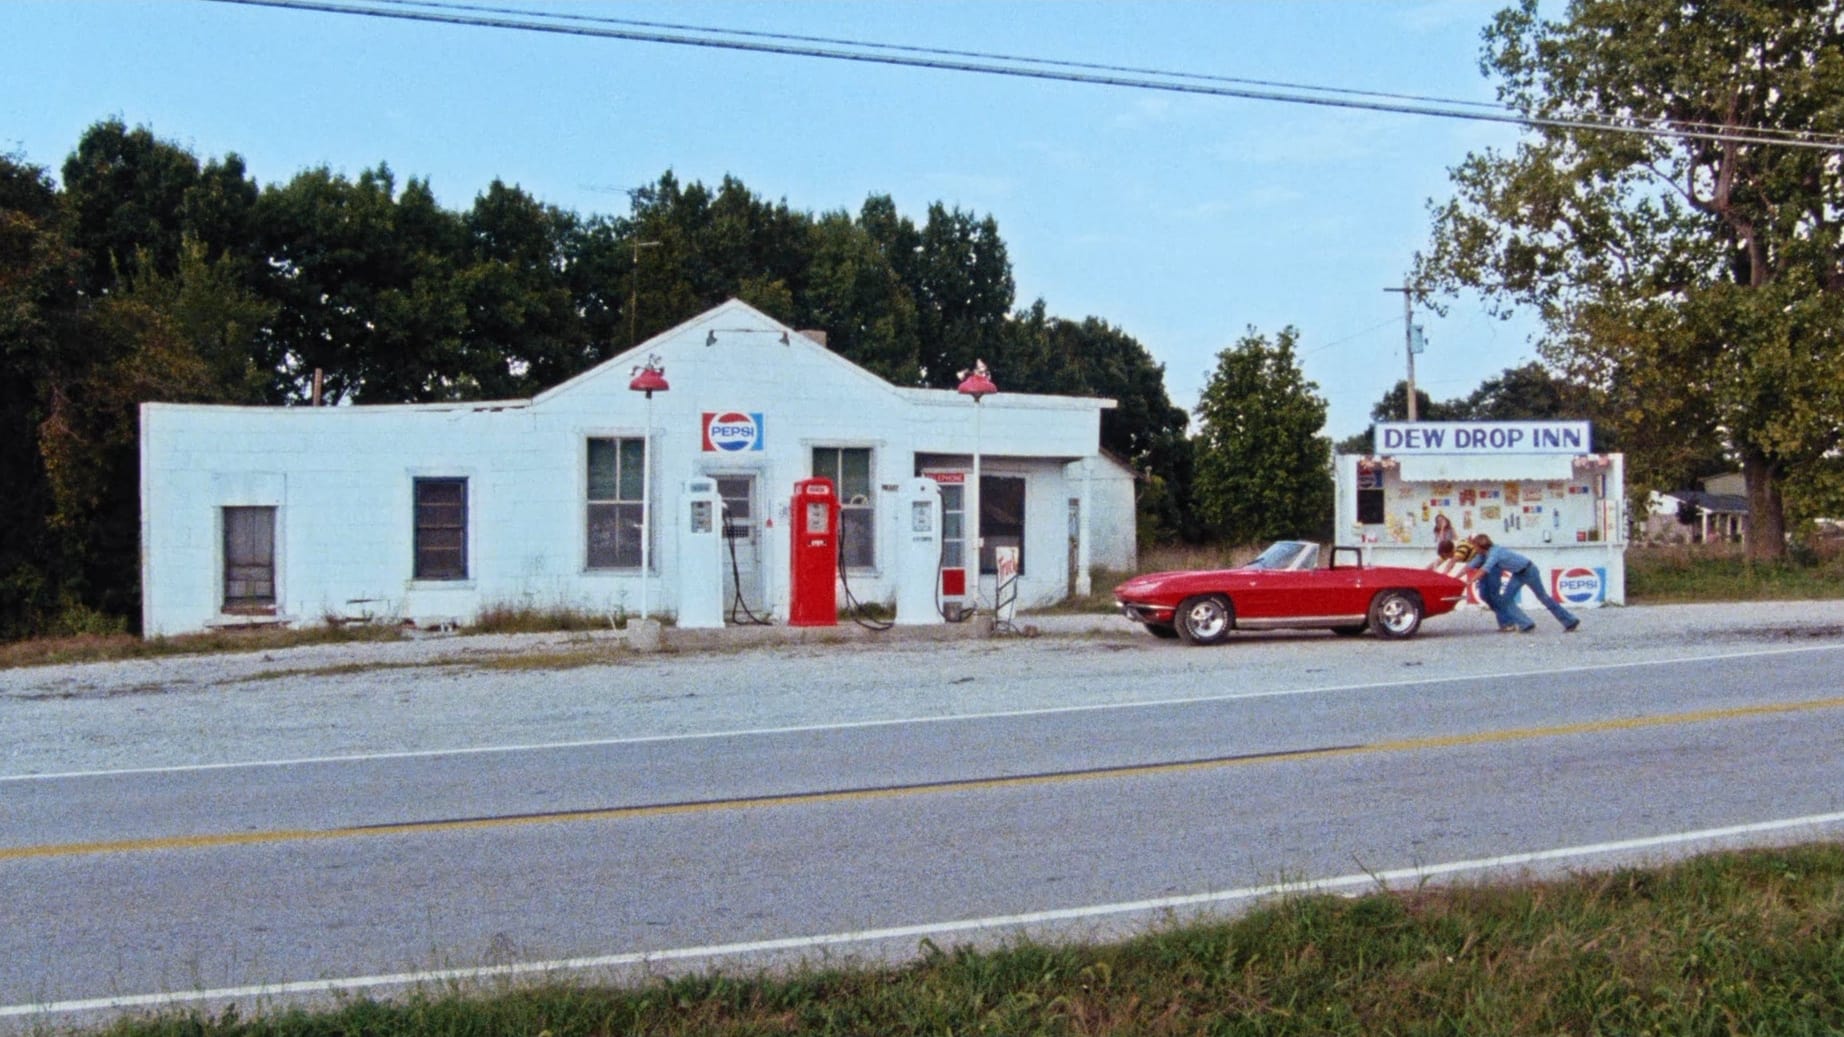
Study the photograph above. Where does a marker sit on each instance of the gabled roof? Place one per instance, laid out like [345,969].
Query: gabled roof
[733,317]
[1714,503]
[736,317]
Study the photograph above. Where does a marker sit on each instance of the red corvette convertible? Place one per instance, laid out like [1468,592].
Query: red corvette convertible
[1286,587]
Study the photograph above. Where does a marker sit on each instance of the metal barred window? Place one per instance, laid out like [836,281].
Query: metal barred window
[441,529]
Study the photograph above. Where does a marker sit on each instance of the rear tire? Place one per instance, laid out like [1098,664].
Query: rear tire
[1395,614]
[1204,620]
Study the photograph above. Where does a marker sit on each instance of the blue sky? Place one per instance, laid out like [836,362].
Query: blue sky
[1181,219]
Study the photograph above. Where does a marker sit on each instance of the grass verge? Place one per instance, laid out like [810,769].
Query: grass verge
[1740,942]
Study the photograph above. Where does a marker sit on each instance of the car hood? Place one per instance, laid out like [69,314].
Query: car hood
[1152,583]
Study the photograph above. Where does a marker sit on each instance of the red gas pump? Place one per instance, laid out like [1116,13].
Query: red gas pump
[814,600]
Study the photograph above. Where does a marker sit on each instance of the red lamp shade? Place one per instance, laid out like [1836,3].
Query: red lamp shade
[976,384]
[649,381]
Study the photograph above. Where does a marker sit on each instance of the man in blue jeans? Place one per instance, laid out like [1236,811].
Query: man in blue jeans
[1493,562]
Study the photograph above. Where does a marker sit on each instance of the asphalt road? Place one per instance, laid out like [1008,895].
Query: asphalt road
[271,830]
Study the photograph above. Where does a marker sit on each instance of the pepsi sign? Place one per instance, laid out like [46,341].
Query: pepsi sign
[731,431]
[1578,585]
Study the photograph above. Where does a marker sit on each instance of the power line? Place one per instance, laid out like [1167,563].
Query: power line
[908,48]
[1059,73]
[1323,346]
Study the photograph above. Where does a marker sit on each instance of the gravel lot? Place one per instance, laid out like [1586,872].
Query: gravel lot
[460,693]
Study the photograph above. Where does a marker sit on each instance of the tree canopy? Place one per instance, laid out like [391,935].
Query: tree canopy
[150,275]
[1264,471]
[1693,280]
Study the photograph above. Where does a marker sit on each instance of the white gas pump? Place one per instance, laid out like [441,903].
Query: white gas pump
[701,575]
[917,541]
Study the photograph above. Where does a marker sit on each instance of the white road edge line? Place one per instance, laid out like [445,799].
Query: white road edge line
[488,750]
[1360,880]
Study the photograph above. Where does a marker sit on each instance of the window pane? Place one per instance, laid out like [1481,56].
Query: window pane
[633,469]
[826,464]
[441,529]
[602,469]
[857,542]
[614,536]
[855,473]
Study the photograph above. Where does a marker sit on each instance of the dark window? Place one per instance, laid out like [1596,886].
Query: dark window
[849,468]
[1370,507]
[1001,519]
[249,560]
[441,529]
[617,488]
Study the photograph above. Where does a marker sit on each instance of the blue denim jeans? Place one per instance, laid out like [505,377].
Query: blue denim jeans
[1495,596]
[1505,606]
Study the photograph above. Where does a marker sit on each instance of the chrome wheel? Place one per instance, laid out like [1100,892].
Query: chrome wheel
[1204,620]
[1395,614]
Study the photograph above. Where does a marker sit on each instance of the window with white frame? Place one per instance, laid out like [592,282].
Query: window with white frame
[616,492]
[441,529]
[849,468]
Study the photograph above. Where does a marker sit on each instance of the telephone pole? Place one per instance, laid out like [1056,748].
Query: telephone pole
[1408,339]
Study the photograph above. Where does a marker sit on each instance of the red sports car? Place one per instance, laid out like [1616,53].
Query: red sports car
[1286,587]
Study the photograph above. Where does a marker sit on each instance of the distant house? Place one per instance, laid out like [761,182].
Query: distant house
[1716,513]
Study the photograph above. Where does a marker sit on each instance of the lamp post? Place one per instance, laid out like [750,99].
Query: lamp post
[649,378]
[976,383]
[633,296]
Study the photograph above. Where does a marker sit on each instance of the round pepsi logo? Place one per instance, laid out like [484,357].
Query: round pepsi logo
[1578,585]
[732,431]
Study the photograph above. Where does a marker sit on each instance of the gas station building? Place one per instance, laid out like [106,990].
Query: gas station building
[672,481]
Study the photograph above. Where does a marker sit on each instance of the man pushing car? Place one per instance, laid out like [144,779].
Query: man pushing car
[1490,564]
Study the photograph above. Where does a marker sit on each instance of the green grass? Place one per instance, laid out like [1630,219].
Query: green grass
[1734,943]
[1720,572]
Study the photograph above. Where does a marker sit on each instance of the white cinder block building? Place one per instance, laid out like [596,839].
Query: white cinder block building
[434,512]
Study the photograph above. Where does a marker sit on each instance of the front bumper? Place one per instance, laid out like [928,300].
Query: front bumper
[1140,612]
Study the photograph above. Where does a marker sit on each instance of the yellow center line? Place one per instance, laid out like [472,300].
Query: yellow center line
[1400,745]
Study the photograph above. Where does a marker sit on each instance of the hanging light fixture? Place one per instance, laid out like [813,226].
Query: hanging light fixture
[648,378]
[978,384]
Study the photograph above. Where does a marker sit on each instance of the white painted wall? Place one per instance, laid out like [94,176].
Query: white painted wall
[341,479]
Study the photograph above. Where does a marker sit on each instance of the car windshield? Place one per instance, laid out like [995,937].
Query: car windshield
[1287,554]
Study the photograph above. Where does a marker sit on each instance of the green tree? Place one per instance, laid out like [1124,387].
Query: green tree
[1696,285]
[39,269]
[855,296]
[1263,470]
[367,289]
[1525,393]
[523,331]
[1046,354]
[126,192]
[963,290]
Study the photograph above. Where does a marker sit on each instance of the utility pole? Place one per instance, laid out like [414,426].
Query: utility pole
[1408,339]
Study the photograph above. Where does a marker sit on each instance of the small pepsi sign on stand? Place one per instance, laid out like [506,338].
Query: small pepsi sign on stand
[1579,585]
[731,431]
